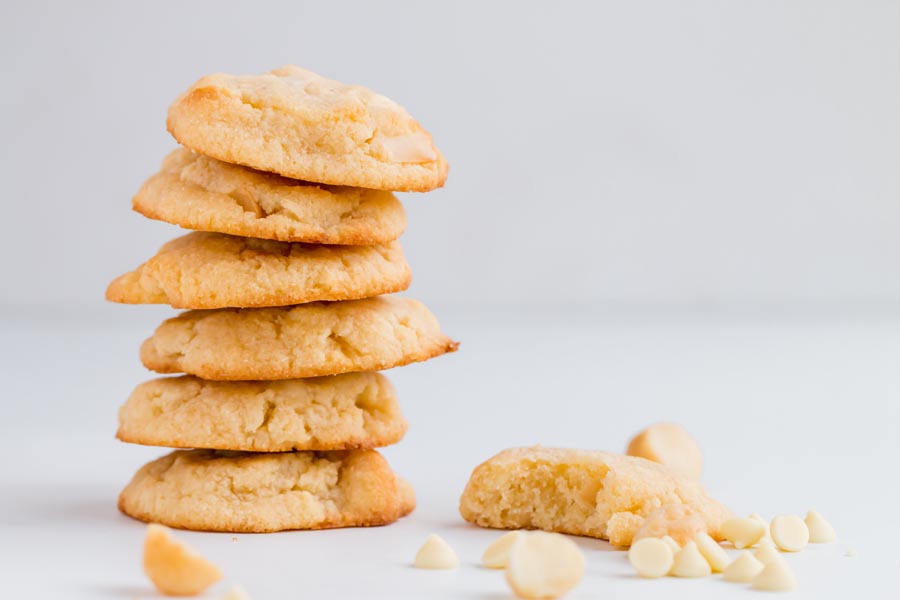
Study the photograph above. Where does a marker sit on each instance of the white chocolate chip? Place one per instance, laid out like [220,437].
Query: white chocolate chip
[690,563]
[743,533]
[497,554]
[675,546]
[714,554]
[742,569]
[651,557]
[173,567]
[775,577]
[668,444]
[820,530]
[236,593]
[544,565]
[789,533]
[759,518]
[435,553]
[766,551]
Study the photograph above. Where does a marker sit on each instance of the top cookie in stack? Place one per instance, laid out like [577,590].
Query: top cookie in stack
[286,178]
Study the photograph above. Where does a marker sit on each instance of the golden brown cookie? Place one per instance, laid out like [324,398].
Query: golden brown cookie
[341,412]
[213,490]
[202,193]
[298,124]
[214,270]
[580,492]
[308,340]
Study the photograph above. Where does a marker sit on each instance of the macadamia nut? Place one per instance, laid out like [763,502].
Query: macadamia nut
[173,567]
[668,444]
[543,565]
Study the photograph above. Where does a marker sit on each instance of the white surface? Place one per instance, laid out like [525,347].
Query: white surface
[636,149]
[794,407]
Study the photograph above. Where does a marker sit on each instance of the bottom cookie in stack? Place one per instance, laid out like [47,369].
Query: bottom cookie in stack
[220,490]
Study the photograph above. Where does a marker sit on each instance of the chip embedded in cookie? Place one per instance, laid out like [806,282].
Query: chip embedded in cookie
[211,490]
[580,492]
[301,125]
[354,410]
[308,340]
[214,270]
[202,193]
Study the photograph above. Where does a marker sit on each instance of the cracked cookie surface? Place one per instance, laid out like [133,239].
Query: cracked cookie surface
[213,270]
[308,340]
[212,490]
[202,193]
[354,410]
[580,492]
[301,125]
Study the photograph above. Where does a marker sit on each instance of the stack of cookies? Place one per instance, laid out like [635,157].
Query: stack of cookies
[286,179]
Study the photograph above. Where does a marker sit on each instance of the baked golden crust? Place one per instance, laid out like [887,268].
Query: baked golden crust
[298,124]
[202,193]
[205,270]
[308,340]
[211,490]
[580,492]
[342,412]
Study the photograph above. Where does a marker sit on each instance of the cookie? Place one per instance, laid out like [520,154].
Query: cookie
[301,125]
[308,340]
[214,490]
[580,492]
[202,193]
[215,270]
[355,410]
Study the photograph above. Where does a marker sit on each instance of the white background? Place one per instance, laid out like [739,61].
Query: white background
[605,150]
[655,210]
